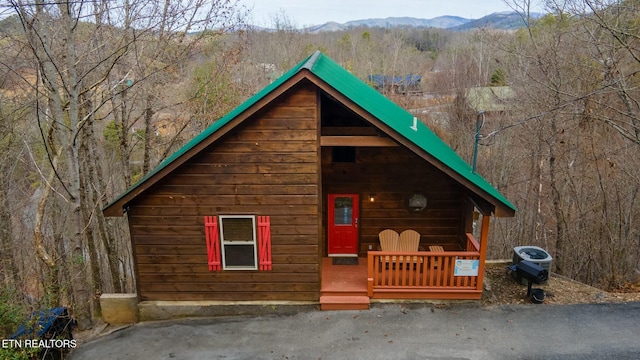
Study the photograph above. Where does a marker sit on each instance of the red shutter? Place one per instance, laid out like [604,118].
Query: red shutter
[264,242]
[213,242]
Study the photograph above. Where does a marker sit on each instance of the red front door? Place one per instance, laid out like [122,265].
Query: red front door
[343,225]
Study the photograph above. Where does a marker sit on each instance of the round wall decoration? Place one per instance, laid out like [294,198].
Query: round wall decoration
[417,202]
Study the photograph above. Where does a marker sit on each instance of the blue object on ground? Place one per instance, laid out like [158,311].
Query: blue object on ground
[50,322]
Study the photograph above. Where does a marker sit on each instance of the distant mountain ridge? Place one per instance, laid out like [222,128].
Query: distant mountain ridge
[442,22]
[499,20]
[439,22]
[506,20]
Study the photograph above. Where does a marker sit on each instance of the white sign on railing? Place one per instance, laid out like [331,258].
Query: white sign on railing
[466,267]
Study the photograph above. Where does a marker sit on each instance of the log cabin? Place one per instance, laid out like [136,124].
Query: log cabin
[270,202]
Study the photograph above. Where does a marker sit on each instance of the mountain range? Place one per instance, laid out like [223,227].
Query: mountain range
[500,20]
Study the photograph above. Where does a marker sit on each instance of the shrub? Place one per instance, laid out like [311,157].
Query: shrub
[12,312]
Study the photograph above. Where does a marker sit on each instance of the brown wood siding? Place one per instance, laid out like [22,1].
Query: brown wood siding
[266,166]
[393,174]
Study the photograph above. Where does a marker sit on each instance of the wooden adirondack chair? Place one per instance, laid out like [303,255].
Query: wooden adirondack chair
[389,240]
[436,248]
[409,242]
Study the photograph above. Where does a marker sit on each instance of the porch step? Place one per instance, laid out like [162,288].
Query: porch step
[344,302]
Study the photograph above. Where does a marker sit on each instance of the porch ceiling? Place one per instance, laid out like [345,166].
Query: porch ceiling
[356,141]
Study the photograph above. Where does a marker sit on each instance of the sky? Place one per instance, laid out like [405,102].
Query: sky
[315,12]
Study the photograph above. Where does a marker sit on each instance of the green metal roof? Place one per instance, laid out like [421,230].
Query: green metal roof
[365,97]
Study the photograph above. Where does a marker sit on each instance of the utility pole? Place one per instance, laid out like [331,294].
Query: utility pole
[479,123]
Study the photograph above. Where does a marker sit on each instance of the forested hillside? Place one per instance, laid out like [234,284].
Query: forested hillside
[93,95]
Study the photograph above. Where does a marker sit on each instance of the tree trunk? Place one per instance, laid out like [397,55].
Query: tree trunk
[556,199]
[52,284]
[148,133]
[94,173]
[94,258]
[8,267]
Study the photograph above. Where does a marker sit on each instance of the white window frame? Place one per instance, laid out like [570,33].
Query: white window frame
[253,242]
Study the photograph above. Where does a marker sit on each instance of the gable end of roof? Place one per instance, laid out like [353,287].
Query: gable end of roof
[362,95]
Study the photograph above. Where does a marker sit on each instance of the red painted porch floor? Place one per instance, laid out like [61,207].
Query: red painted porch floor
[344,287]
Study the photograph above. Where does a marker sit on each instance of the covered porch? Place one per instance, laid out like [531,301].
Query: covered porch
[454,275]
[437,274]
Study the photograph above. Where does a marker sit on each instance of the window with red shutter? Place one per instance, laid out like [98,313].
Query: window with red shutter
[264,242]
[238,242]
[213,242]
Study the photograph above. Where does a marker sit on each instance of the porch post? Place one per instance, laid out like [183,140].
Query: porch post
[370,270]
[484,237]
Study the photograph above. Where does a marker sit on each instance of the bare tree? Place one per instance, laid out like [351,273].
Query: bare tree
[575,99]
[610,28]
[99,61]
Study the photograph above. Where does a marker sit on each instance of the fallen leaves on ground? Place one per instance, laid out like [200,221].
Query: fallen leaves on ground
[501,288]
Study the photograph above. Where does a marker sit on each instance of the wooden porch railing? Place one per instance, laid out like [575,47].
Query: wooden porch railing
[423,274]
[472,244]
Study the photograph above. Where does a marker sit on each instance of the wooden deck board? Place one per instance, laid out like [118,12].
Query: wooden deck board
[344,287]
[344,278]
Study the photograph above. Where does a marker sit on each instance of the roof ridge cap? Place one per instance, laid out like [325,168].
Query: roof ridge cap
[309,64]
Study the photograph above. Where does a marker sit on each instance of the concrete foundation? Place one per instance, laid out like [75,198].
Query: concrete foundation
[118,309]
[165,310]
